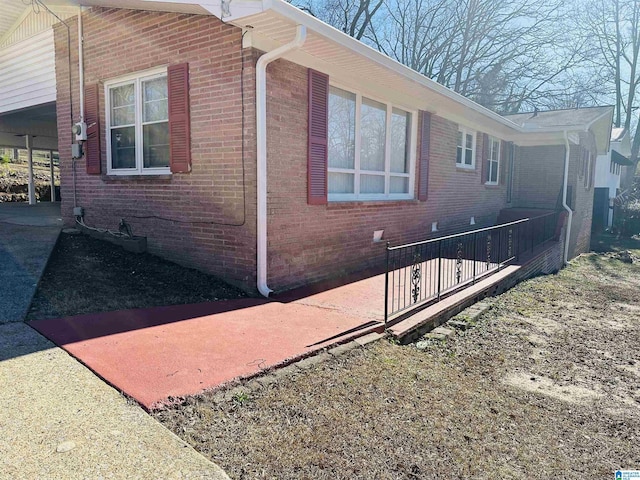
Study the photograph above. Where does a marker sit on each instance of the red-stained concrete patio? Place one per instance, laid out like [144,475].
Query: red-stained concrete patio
[156,353]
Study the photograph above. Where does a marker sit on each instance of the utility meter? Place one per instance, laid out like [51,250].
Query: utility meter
[80,131]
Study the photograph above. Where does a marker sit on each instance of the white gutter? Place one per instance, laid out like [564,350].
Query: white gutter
[564,196]
[81,63]
[261,151]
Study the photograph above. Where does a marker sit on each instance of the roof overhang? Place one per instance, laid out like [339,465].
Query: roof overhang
[40,122]
[270,24]
[620,159]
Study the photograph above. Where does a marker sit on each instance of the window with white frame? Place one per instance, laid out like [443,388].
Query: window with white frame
[493,161]
[466,150]
[369,151]
[138,124]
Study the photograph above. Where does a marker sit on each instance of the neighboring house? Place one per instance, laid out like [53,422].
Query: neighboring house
[275,170]
[609,170]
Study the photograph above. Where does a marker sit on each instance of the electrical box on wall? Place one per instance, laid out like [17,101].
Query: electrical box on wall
[80,131]
[76,150]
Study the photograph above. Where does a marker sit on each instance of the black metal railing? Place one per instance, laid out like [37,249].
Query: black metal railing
[421,273]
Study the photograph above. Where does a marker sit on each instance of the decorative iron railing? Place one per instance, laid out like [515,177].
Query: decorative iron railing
[421,273]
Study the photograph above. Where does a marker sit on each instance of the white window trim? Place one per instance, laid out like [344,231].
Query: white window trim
[356,171]
[496,161]
[137,77]
[466,131]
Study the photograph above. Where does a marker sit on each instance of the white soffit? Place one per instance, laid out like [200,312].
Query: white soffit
[349,68]
[10,13]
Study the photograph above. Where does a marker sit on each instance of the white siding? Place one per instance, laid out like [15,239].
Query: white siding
[27,73]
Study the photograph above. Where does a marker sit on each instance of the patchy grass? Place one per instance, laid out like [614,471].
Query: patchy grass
[86,275]
[547,385]
[606,242]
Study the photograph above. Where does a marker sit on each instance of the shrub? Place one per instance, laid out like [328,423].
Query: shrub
[627,212]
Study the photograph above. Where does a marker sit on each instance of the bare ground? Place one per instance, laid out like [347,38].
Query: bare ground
[86,275]
[14,180]
[547,385]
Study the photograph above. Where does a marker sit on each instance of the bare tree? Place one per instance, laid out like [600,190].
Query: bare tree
[353,17]
[504,55]
[612,28]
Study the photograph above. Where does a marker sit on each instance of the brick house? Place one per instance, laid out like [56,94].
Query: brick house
[278,169]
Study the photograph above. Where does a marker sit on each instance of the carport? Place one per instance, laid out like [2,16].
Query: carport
[28,81]
[32,129]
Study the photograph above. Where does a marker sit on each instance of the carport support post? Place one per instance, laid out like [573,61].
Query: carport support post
[32,190]
[52,178]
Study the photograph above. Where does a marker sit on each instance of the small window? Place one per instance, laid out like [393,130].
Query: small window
[138,125]
[493,161]
[466,149]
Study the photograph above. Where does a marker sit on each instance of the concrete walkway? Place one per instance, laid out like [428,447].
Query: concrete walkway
[27,237]
[156,353]
[58,420]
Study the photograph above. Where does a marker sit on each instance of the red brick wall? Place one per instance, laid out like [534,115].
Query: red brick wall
[119,42]
[580,241]
[538,183]
[538,174]
[309,243]
[306,243]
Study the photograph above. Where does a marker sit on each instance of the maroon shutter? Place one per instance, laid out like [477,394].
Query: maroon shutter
[425,138]
[485,158]
[179,118]
[92,119]
[502,170]
[318,132]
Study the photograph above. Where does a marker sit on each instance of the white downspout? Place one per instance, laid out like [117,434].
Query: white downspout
[81,63]
[564,196]
[261,150]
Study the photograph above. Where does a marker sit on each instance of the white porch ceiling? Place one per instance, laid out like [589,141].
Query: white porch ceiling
[10,12]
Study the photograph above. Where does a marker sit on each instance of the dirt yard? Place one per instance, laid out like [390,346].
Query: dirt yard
[87,275]
[547,385]
[14,181]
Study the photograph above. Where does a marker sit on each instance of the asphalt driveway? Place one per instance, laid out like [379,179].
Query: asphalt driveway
[28,234]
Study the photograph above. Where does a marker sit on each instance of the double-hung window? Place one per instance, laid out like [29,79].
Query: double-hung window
[137,111]
[466,149]
[493,161]
[370,149]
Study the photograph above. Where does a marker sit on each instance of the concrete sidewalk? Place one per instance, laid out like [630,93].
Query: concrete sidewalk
[156,353]
[58,420]
[28,234]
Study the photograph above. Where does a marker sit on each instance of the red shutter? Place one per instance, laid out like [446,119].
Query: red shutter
[504,149]
[485,158]
[179,118]
[425,138]
[92,119]
[318,132]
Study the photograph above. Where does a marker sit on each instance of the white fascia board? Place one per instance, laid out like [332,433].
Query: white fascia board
[430,100]
[540,138]
[298,16]
[450,101]
[601,129]
[234,10]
